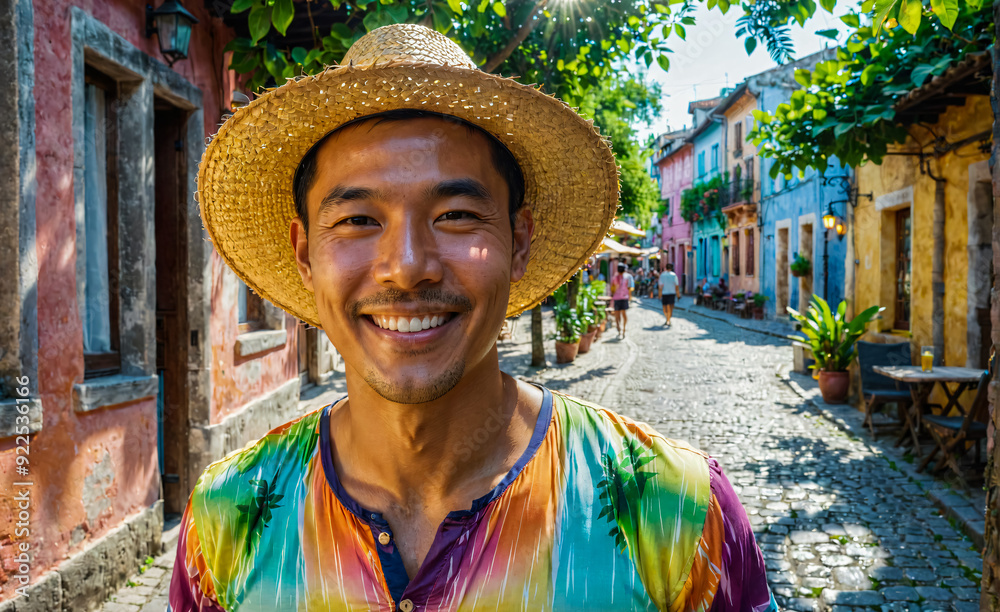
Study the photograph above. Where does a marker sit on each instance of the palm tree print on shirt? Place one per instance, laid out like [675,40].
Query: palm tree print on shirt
[621,489]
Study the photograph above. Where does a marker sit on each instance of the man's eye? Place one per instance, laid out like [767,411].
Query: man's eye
[359,220]
[458,215]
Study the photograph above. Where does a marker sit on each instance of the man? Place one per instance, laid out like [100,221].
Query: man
[668,292]
[622,285]
[438,482]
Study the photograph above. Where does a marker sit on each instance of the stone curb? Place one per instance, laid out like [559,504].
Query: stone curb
[955,504]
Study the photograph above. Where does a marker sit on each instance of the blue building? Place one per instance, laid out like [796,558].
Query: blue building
[709,251]
[791,215]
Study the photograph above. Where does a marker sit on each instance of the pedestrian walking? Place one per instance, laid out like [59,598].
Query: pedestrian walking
[622,285]
[438,482]
[668,292]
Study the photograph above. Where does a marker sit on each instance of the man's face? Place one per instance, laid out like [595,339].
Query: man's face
[409,230]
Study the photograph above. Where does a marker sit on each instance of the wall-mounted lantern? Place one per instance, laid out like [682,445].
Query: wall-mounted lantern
[172,25]
[829,218]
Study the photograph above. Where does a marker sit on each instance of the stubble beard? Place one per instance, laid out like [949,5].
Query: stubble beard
[416,391]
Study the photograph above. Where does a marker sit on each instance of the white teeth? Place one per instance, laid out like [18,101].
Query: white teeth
[408,325]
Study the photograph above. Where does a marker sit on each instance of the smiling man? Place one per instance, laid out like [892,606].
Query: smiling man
[407,203]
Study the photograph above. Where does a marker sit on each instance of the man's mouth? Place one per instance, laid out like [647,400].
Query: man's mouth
[409,324]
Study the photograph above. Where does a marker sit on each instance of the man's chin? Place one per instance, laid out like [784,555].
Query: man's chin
[415,390]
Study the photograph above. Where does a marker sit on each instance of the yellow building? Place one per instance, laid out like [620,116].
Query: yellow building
[941,168]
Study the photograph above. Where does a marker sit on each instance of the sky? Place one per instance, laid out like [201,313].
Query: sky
[713,57]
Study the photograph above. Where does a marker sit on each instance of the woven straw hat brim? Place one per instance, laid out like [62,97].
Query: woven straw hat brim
[245,178]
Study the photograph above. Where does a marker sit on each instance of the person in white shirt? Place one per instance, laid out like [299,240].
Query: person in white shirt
[668,292]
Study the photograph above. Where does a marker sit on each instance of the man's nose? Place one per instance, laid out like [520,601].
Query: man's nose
[408,255]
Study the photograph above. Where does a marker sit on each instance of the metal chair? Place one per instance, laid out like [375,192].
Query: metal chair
[878,390]
[951,433]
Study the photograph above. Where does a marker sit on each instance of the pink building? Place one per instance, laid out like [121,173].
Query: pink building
[674,159]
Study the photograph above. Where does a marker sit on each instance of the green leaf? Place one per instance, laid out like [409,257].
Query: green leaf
[482,6]
[920,74]
[828,5]
[299,55]
[499,9]
[281,15]
[680,31]
[882,9]
[664,62]
[831,33]
[455,6]
[852,21]
[241,5]
[946,10]
[398,12]
[341,31]
[910,12]
[750,44]
[259,22]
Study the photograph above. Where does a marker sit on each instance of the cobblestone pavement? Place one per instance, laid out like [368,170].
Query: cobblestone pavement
[841,526]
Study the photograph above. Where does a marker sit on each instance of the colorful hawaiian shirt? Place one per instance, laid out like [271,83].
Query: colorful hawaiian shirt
[599,513]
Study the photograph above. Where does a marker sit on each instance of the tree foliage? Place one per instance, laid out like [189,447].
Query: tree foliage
[846,107]
[566,46]
[617,105]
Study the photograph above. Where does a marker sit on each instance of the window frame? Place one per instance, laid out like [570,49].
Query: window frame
[255,317]
[750,260]
[736,253]
[109,363]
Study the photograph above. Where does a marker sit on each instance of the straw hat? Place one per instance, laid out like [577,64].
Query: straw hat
[245,179]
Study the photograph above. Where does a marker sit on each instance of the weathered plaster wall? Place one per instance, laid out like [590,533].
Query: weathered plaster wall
[740,220]
[90,470]
[874,233]
[237,381]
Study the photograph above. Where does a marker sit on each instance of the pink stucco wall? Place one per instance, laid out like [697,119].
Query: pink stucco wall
[90,470]
[676,172]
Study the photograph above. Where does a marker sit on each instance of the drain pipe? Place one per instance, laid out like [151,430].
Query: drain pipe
[937,264]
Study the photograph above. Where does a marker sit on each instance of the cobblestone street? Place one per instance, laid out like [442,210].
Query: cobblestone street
[843,525]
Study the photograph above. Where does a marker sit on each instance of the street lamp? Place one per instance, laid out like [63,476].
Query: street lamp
[173,29]
[829,219]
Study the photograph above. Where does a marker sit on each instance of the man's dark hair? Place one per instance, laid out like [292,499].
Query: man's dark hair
[622,267]
[670,267]
[503,160]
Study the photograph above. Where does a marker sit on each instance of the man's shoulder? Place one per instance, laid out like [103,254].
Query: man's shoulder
[286,447]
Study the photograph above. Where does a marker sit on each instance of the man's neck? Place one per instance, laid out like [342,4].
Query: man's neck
[452,449]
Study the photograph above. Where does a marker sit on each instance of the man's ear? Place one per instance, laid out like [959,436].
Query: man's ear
[524,227]
[300,244]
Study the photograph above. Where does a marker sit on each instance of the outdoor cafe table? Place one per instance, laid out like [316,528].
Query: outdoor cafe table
[922,383]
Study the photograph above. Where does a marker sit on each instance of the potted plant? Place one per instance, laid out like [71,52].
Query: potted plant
[801,266]
[831,338]
[597,289]
[759,299]
[567,327]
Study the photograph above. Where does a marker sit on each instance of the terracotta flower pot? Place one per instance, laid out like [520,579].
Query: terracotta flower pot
[586,340]
[566,351]
[834,386]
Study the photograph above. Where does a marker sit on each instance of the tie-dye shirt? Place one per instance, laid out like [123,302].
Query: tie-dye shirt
[599,513]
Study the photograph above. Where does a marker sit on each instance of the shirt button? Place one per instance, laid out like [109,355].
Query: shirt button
[384,538]
[406,605]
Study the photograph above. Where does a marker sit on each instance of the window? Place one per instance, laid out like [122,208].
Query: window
[737,139]
[750,253]
[903,245]
[100,228]
[715,157]
[701,164]
[715,256]
[250,310]
[736,253]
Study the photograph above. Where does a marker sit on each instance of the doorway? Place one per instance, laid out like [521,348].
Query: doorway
[170,168]
[781,272]
[807,251]
[979,327]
